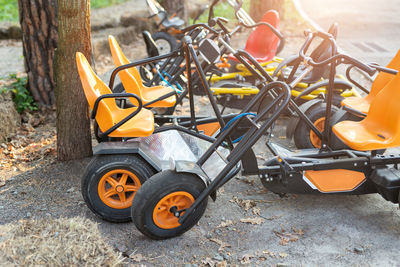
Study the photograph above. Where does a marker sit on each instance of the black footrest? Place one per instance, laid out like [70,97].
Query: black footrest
[387,181]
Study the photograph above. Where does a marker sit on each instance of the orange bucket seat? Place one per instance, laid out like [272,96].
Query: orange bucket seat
[381,127]
[132,81]
[362,104]
[108,113]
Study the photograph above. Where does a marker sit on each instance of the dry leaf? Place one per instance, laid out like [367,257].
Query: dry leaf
[137,257]
[208,262]
[246,204]
[253,220]
[269,253]
[246,258]
[283,255]
[225,224]
[256,211]
[222,264]
[222,244]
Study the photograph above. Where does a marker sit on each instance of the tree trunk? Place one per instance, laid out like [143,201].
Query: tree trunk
[73,124]
[259,7]
[38,20]
[177,7]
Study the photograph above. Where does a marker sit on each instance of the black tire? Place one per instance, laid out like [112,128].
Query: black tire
[165,42]
[98,167]
[154,190]
[302,138]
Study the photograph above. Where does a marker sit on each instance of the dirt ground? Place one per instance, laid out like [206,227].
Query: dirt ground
[247,225]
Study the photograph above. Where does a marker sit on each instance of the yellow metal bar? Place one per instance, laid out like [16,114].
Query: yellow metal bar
[235,91]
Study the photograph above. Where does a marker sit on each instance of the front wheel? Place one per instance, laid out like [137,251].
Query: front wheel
[160,197]
[110,184]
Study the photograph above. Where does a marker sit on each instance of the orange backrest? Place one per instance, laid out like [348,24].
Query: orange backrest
[384,112]
[383,78]
[130,78]
[262,41]
[94,87]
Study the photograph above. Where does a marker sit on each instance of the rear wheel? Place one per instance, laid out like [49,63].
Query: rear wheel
[110,184]
[162,195]
[165,42]
[304,137]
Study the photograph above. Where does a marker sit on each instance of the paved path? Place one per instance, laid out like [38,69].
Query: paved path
[368,29]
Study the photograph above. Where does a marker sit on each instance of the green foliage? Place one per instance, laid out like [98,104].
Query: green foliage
[21,96]
[223,10]
[104,3]
[9,8]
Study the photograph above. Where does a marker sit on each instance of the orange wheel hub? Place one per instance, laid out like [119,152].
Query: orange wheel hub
[117,188]
[162,215]
[315,140]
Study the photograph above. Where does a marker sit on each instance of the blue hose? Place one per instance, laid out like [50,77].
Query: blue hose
[235,119]
[177,84]
[170,85]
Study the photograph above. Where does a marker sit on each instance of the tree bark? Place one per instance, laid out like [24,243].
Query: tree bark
[38,20]
[177,7]
[73,123]
[259,7]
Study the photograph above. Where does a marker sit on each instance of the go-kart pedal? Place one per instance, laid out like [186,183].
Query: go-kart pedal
[362,104]
[133,83]
[113,121]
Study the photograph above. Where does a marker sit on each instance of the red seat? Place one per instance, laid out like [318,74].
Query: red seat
[262,43]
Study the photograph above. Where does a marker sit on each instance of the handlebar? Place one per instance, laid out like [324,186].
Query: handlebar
[335,56]
[198,25]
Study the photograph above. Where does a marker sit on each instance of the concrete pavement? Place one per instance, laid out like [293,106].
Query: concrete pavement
[368,29]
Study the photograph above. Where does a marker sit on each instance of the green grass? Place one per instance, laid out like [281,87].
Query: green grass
[9,8]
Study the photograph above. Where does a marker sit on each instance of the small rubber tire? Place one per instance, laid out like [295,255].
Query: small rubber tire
[302,138]
[159,37]
[154,190]
[97,168]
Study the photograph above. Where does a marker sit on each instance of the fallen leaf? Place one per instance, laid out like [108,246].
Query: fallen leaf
[222,264]
[222,244]
[225,224]
[253,220]
[137,257]
[283,255]
[256,211]
[246,258]
[246,204]
[208,262]
[269,253]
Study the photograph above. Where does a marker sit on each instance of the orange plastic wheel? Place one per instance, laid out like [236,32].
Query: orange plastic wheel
[162,215]
[117,188]
[315,140]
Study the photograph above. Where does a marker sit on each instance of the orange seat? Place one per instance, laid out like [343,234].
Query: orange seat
[108,113]
[362,104]
[132,81]
[381,127]
[262,43]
